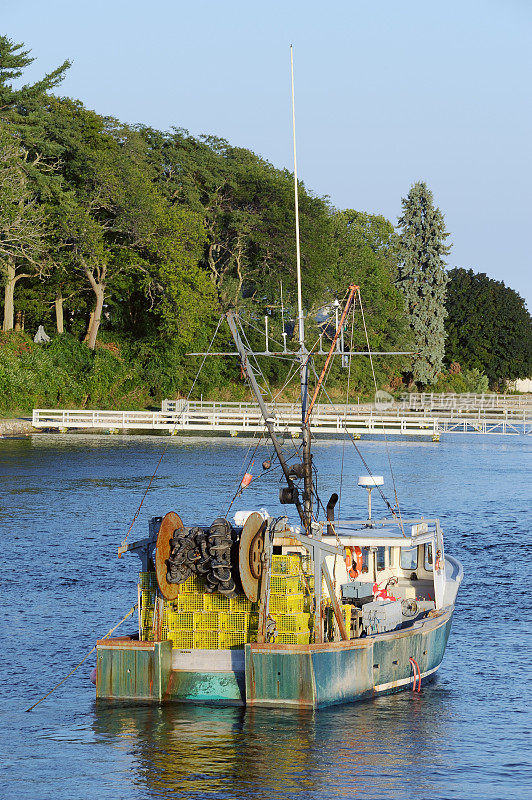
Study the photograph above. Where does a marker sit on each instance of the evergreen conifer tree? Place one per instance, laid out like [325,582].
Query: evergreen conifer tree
[17,102]
[422,279]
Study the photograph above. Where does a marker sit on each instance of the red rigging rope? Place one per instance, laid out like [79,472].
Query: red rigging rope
[348,388]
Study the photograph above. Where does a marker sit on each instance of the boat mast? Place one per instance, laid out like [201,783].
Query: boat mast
[303,355]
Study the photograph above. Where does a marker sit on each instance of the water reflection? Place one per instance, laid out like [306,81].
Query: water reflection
[391,747]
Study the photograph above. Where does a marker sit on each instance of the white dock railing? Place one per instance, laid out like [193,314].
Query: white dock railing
[418,402]
[236,418]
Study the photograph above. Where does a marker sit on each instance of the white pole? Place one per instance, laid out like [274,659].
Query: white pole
[282,318]
[298,252]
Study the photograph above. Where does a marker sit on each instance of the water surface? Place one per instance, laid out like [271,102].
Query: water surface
[66,502]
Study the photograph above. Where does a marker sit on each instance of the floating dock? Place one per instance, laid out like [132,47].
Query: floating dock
[241,419]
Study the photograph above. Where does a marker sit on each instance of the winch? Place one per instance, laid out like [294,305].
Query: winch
[224,556]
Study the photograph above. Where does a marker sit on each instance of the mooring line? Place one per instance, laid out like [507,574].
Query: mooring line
[83,660]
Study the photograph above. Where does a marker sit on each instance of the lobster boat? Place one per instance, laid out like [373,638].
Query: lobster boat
[263,610]
[292,610]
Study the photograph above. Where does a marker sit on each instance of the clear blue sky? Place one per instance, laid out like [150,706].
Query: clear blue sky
[387,93]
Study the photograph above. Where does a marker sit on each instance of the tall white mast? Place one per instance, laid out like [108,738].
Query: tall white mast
[303,355]
[301,327]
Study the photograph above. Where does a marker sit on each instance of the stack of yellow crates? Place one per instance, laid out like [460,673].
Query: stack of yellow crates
[289,599]
[147,590]
[198,619]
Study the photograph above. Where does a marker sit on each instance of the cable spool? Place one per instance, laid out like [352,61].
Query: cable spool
[250,552]
[171,522]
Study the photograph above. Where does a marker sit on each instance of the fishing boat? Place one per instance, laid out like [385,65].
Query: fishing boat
[287,610]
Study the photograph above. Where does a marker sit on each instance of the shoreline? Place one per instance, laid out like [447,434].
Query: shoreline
[19,426]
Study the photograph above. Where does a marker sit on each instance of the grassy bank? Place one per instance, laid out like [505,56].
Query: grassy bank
[65,373]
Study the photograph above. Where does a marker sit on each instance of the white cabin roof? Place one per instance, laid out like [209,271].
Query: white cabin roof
[377,536]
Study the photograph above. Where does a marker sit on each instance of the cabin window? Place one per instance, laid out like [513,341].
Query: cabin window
[428,557]
[408,558]
[381,558]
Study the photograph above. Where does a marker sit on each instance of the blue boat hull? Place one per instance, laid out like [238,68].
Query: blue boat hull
[304,676]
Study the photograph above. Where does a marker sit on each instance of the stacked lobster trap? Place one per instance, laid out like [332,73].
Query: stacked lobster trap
[199,619]
[290,599]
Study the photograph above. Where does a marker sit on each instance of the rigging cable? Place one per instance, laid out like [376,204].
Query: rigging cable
[131,610]
[383,424]
[251,355]
[170,434]
[250,461]
[383,496]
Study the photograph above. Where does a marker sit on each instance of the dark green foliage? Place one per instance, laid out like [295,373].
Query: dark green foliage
[422,279]
[139,238]
[65,373]
[365,254]
[471,381]
[248,212]
[20,102]
[488,327]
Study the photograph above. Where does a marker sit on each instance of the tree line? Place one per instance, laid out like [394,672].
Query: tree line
[133,239]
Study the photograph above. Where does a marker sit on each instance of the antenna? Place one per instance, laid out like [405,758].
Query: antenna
[303,355]
[282,318]
[296,204]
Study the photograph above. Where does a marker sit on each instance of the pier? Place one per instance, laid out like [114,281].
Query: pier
[196,417]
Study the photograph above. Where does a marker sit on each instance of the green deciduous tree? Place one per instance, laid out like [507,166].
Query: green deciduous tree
[248,211]
[365,253]
[422,279]
[21,222]
[488,327]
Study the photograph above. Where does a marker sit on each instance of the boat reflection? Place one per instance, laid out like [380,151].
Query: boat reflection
[378,748]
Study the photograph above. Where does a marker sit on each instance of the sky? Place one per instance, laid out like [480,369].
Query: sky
[388,93]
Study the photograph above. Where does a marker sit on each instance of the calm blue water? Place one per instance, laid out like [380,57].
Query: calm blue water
[66,503]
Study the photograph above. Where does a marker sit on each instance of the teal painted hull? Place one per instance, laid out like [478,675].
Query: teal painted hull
[132,670]
[316,676]
[304,676]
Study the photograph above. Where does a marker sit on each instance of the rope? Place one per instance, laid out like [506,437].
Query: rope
[383,496]
[416,674]
[352,291]
[252,357]
[383,428]
[263,333]
[131,610]
[168,442]
[249,461]
[292,373]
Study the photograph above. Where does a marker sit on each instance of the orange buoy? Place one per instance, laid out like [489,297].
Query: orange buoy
[246,480]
